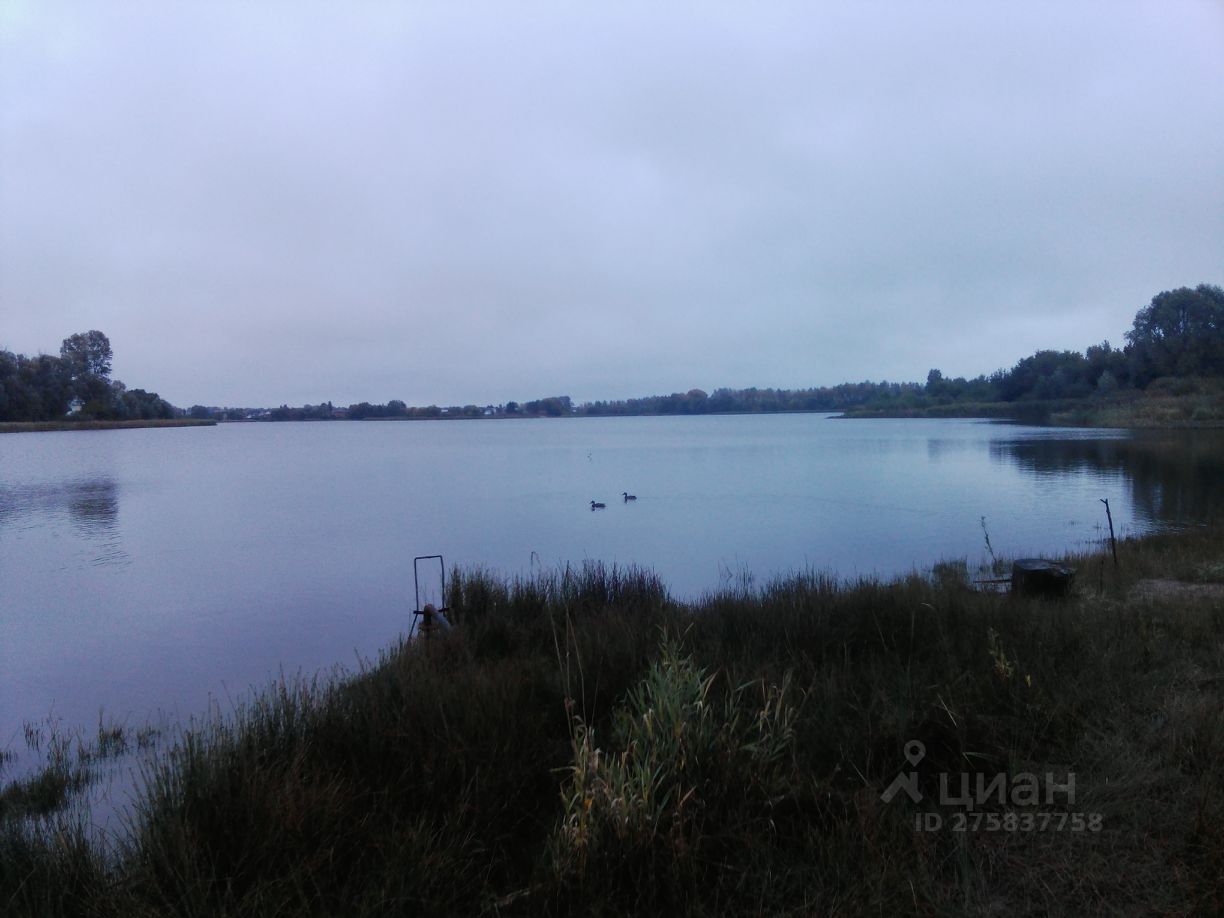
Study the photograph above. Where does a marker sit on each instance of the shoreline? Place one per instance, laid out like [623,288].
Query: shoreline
[1002,413]
[1070,422]
[579,742]
[57,426]
[1146,411]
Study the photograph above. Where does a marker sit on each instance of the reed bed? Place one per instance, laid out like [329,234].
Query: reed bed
[581,743]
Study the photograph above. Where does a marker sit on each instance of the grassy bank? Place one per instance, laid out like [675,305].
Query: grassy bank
[579,743]
[41,426]
[1169,403]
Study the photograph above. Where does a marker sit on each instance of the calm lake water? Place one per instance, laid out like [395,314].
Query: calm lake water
[151,573]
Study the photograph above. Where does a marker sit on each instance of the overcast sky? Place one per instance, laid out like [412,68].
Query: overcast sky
[451,202]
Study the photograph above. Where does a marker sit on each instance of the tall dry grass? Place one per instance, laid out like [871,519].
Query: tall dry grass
[580,743]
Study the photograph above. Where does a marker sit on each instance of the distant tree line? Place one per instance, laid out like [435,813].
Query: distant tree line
[1179,334]
[553,407]
[77,383]
[752,400]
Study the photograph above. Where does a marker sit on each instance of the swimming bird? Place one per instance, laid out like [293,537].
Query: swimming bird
[628,497]
[596,505]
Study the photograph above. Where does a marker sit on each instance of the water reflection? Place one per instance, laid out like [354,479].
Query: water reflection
[1175,477]
[94,506]
[89,505]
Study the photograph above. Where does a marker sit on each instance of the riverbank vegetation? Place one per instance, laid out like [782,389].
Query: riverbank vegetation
[580,743]
[1168,402]
[44,426]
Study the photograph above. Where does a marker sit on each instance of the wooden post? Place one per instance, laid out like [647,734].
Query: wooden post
[1113,543]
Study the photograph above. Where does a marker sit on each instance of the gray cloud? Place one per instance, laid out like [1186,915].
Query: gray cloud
[266,203]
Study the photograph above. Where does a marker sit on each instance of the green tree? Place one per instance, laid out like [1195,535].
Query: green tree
[137,404]
[87,354]
[1046,374]
[1180,333]
[86,359]
[9,396]
[48,385]
[1105,358]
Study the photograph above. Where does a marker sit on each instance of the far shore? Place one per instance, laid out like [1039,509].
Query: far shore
[44,426]
[1168,412]
[1192,410]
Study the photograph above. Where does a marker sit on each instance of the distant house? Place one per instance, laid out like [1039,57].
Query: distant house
[75,406]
